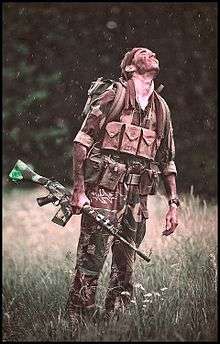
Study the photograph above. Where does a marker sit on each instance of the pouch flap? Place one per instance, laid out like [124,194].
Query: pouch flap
[148,136]
[113,128]
[94,160]
[133,132]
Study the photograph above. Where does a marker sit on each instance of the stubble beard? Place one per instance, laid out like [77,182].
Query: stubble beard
[143,68]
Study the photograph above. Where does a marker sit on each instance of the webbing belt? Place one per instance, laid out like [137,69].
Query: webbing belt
[128,159]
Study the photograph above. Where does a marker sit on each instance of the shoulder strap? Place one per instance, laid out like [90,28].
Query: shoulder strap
[118,102]
[116,106]
[163,113]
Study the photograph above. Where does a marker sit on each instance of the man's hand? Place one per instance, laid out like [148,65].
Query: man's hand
[78,200]
[171,221]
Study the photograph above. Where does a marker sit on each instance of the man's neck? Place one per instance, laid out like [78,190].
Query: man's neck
[143,84]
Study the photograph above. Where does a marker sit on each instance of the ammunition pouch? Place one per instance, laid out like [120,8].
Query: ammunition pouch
[92,170]
[112,135]
[147,146]
[112,174]
[93,166]
[102,170]
[131,139]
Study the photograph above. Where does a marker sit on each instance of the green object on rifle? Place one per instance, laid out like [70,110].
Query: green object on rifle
[16,175]
[60,196]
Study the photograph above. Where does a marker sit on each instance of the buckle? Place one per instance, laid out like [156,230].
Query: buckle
[132,179]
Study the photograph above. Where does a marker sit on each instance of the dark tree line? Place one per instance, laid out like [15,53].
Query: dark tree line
[52,52]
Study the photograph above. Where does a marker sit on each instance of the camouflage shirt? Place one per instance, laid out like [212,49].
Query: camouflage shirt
[95,119]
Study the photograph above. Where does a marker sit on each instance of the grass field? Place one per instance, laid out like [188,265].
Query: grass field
[175,294]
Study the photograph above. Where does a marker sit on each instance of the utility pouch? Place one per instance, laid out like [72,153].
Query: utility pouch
[155,183]
[112,135]
[112,174]
[149,181]
[147,147]
[93,167]
[130,139]
[145,183]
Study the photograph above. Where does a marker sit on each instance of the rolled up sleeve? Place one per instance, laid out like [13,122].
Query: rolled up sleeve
[166,152]
[168,168]
[90,129]
[84,139]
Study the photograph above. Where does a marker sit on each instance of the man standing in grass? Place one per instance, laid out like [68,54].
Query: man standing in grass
[118,154]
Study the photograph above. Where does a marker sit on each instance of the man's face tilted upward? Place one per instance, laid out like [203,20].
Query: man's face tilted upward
[145,61]
[140,60]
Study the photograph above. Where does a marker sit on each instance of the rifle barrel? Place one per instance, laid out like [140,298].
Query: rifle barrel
[87,209]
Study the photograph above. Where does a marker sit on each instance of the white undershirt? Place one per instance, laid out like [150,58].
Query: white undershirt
[143,100]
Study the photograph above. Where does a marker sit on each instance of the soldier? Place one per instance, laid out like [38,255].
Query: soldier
[117,160]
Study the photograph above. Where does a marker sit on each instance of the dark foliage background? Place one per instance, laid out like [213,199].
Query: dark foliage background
[52,52]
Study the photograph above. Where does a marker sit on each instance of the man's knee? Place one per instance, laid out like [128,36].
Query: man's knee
[83,289]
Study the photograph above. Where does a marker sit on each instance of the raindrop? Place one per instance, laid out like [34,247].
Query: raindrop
[105,59]
[111,25]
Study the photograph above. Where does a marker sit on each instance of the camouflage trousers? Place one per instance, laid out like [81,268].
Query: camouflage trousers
[124,206]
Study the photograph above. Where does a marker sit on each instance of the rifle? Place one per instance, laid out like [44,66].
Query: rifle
[60,195]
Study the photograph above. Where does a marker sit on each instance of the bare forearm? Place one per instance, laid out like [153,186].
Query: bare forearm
[170,185]
[171,216]
[79,156]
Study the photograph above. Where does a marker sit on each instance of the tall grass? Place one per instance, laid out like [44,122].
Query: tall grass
[175,294]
